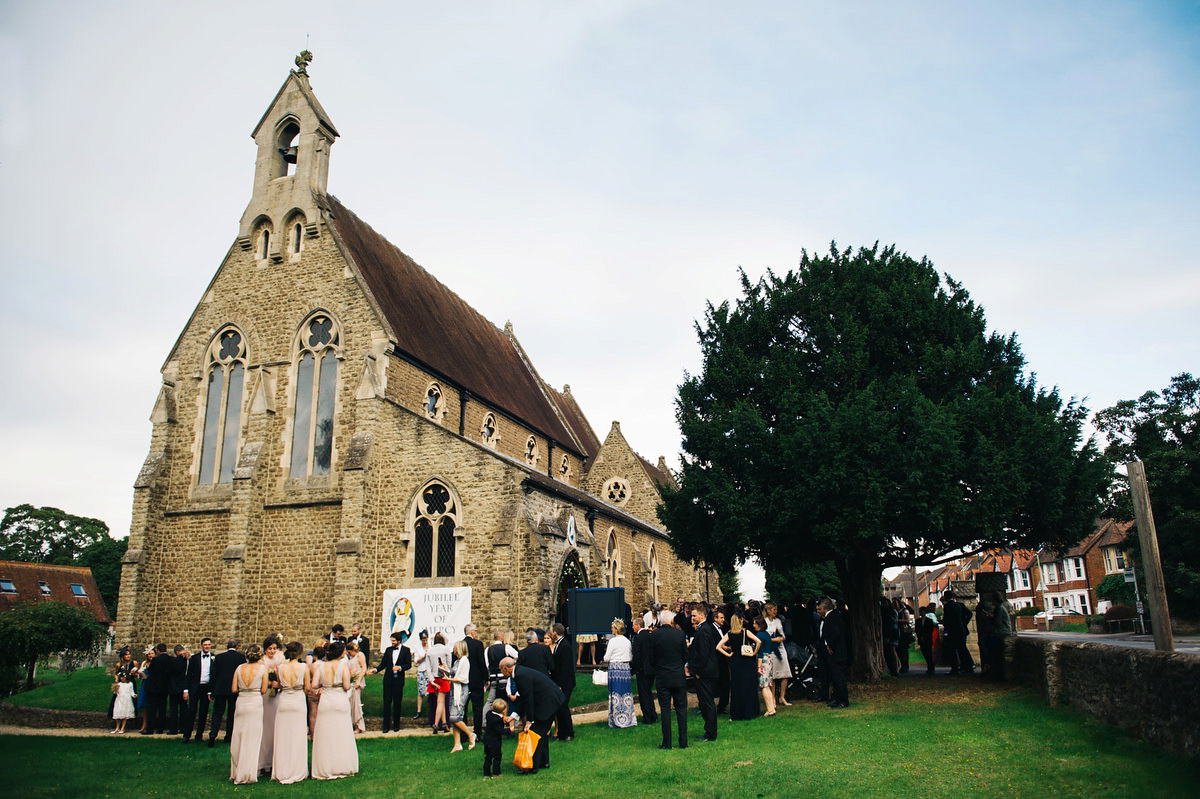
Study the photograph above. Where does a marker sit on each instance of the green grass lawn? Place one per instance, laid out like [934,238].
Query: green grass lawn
[911,737]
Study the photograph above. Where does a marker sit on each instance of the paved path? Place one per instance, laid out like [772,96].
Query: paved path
[95,732]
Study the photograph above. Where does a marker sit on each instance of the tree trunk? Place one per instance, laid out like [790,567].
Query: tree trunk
[861,575]
[29,674]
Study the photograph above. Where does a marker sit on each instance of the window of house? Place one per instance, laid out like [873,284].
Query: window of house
[1077,568]
[315,397]
[77,590]
[1024,573]
[222,407]
[435,518]
[488,431]
[1083,604]
[1114,560]
[435,403]
[616,491]
[7,587]
[44,587]
[1055,601]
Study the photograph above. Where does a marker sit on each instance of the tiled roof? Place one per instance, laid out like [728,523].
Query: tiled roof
[439,330]
[28,577]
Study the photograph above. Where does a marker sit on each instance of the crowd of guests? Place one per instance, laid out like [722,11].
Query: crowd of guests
[273,700]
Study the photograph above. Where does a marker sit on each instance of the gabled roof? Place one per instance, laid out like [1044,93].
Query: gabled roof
[302,85]
[438,330]
[28,577]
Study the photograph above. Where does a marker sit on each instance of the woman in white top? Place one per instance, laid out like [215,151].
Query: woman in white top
[438,657]
[420,652]
[781,669]
[618,654]
[460,678]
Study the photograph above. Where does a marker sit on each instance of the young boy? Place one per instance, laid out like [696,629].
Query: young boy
[493,729]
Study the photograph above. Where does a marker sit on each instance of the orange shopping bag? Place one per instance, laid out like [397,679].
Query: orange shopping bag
[526,743]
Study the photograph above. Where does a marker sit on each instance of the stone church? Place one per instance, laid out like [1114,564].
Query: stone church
[334,422]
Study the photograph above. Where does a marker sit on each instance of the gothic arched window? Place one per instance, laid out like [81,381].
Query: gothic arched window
[435,403]
[316,394]
[612,561]
[434,520]
[653,573]
[489,432]
[222,407]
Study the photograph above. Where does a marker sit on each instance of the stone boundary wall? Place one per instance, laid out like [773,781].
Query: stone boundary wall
[1153,695]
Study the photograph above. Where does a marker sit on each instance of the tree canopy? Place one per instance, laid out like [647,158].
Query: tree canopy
[1162,429]
[35,630]
[857,411]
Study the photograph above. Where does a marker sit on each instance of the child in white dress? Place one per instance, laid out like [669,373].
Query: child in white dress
[123,707]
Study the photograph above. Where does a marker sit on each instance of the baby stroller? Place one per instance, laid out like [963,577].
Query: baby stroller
[803,660]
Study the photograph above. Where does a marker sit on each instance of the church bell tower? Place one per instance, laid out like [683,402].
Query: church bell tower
[293,137]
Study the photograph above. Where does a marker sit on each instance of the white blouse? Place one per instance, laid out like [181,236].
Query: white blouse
[619,650]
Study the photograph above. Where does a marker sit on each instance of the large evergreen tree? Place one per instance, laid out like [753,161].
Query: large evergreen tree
[857,411]
[1162,429]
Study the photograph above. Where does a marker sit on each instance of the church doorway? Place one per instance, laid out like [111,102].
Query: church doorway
[572,575]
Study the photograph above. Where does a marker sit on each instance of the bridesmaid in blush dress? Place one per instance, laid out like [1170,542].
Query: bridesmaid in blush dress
[334,751]
[290,755]
[272,659]
[249,685]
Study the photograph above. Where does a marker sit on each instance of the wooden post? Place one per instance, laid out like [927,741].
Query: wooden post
[1156,593]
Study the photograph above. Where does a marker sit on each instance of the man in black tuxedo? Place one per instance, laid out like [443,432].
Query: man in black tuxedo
[956,620]
[224,699]
[564,678]
[198,691]
[396,660]
[667,655]
[833,639]
[176,707]
[364,643]
[477,679]
[645,675]
[156,685]
[721,686]
[536,655]
[702,665]
[541,699]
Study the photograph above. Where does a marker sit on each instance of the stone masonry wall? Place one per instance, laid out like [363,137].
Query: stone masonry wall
[1153,695]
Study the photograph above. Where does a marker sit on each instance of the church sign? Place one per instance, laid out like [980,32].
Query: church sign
[438,610]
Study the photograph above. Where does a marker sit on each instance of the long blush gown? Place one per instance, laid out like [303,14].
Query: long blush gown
[290,755]
[334,752]
[247,729]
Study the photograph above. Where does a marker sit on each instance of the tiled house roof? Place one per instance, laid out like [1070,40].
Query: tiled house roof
[36,581]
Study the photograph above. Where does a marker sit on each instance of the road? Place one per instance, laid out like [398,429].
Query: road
[1184,644]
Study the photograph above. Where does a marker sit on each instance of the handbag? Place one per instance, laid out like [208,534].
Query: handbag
[527,741]
[600,677]
[747,649]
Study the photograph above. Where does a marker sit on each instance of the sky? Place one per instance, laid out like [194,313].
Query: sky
[594,173]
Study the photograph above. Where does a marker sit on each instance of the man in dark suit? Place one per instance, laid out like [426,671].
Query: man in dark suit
[477,679]
[224,699]
[641,668]
[156,686]
[364,643]
[198,691]
[833,639]
[536,655]
[396,660]
[956,620]
[667,656]
[541,699]
[721,686]
[702,665]
[176,707]
[564,678]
